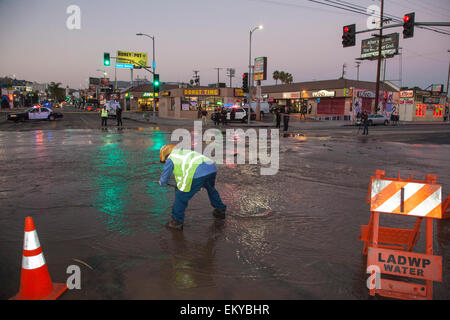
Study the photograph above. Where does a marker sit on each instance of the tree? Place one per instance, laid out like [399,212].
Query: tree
[276,76]
[56,92]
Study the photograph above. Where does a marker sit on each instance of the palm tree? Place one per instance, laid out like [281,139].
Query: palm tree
[289,78]
[56,92]
[276,76]
[282,76]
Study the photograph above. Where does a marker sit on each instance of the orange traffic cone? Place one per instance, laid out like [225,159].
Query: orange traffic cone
[35,282]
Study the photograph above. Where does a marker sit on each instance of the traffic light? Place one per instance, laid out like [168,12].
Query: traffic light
[408,25]
[156,83]
[106,59]
[245,82]
[349,36]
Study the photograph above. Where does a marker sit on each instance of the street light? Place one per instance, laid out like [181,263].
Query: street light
[249,115]
[154,69]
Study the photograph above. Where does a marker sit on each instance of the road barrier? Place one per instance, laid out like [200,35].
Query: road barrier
[35,282]
[389,250]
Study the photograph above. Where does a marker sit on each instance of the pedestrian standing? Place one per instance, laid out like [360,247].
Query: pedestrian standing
[365,120]
[199,112]
[104,116]
[223,117]
[119,114]
[204,114]
[286,118]
[278,117]
[216,117]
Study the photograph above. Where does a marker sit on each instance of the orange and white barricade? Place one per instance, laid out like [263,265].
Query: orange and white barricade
[389,250]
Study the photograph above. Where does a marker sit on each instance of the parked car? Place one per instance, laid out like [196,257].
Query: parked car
[35,113]
[375,119]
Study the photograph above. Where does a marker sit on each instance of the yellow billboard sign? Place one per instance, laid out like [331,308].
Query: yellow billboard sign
[134,58]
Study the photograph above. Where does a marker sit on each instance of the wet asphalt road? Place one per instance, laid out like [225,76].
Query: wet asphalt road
[93,199]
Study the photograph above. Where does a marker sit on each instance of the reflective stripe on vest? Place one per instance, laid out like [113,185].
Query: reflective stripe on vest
[185,164]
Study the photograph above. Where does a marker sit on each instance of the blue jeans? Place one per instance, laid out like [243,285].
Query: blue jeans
[182,198]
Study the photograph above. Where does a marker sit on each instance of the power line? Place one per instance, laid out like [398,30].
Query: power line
[363,11]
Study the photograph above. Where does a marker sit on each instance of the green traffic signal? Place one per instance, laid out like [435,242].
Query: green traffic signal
[106,59]
[156,83]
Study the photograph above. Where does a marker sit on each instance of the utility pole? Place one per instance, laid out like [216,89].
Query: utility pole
[358,63]
[218,75]
[448,78]
[343,70]
[380,43]
[231,73]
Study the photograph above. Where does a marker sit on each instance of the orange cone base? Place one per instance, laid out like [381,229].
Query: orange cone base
[58,290]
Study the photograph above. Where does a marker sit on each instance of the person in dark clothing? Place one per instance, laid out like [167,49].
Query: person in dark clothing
[286,119]
[216,117]
[278,117]
[223,116]
[365,121]
[119,115]
[233,114]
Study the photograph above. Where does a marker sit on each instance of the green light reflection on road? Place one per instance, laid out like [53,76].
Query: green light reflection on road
[110,167]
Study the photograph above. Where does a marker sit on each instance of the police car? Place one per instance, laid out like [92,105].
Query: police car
[35,113]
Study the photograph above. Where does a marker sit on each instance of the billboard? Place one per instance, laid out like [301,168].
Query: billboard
[94,81]
[389,47]
[260,68]
[134,58]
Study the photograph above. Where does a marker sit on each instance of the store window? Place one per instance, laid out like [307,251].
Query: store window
[438,111]
[421,110]
[146,104]
[193,103]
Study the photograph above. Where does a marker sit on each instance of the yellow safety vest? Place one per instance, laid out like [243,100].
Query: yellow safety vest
[185,162]
[104,113]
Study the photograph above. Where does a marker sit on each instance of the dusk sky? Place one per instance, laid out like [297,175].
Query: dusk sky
[299,37]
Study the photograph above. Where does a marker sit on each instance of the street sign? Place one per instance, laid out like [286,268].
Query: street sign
[124,65]
[389,47]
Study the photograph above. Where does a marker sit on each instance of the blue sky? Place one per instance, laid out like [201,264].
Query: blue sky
[299,37]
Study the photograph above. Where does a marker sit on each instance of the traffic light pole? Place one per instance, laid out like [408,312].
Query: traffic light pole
[249,113]
[380,42]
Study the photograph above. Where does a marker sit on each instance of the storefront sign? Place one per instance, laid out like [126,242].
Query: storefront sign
[239,93]
[431,100]
[260,68]
[134,58]
[104,82]
[148,94]
[324,93]
[366,94]
[348,92]
[201,92]
[165,93]
[406,101]
[407,94]
[437,88]
[291,95]
[423,93]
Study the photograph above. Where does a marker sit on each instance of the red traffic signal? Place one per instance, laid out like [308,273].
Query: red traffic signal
[408,25]
[349,35]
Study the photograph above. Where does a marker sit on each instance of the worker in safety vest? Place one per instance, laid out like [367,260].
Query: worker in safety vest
[192,171]
[104,116]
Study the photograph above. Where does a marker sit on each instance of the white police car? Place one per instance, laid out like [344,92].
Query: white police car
[35,113]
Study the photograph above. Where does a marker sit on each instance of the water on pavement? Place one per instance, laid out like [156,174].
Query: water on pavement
[94,200]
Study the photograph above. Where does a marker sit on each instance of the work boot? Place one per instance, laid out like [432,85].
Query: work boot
[174,224]
[219,213]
